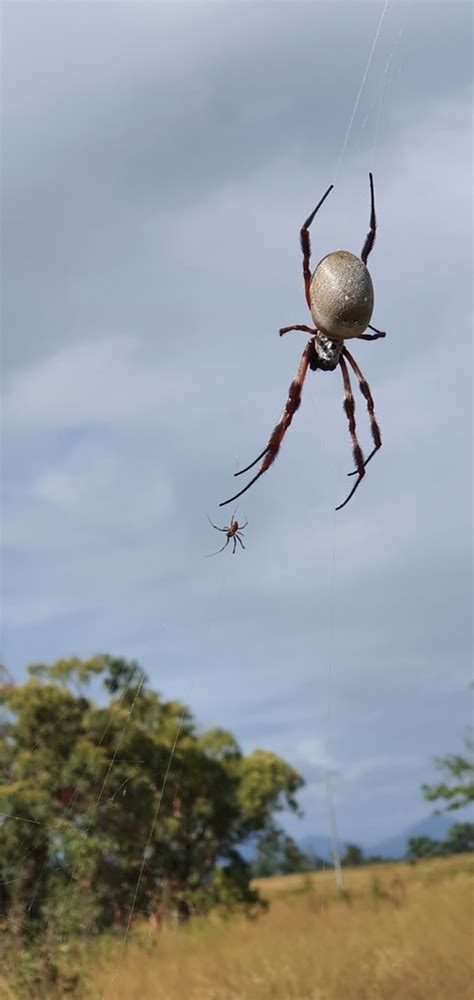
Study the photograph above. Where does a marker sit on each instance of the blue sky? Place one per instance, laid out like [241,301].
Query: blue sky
[158,162]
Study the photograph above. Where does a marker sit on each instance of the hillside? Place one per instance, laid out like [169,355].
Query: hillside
[394,847]
[435,827]
[398,932]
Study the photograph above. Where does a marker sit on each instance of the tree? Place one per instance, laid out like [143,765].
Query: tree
[460,767]
[106,805]
[353,855]
[422,847]
[460,838]
[278,854]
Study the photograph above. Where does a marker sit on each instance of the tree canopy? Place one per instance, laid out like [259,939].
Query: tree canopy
[278,854]
[459,791]
[460,839]
[106,801]
[353,855]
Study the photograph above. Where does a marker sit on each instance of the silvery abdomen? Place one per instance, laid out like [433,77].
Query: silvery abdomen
[342,296]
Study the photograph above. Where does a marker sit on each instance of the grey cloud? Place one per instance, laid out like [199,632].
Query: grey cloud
[168,108]
[159,160]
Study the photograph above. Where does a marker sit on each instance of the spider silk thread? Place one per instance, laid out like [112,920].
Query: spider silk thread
[329,798]
[159,797]
[361,88]
[331,809]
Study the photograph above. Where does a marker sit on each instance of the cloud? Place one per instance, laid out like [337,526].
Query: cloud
[151,237]
[102,382]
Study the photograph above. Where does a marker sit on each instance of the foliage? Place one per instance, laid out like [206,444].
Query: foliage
[422,847]
[277,854]
[353,855]
[410,943]
[460,768]
[460,840]
[106,805]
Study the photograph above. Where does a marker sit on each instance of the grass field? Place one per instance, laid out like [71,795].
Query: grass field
[398,932]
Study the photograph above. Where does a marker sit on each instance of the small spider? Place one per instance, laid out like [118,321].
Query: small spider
[340,297]
[233,531]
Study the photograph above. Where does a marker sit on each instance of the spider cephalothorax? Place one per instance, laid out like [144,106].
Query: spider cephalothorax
[340,297]
[326,353]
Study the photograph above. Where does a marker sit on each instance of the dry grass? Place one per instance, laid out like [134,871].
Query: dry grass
[400,933]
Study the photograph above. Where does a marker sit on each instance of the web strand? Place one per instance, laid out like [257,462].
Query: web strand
[359,95]
[327,764]
[146,850]
[385,80]
[133,908]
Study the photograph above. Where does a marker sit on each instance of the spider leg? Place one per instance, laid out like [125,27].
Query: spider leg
[306,246]
[240,540]
[364,388]
[215,525]
[349,407]
[370,238]
[247,467]
[306,329]
[270,453]
[242,526]
[372,336]
[219,550]
[235,545]
[381,333]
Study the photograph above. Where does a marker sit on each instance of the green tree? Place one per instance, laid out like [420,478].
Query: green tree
[459,791]
[278,854]
[104,804]
[353,855]
[460,838]
[422,847]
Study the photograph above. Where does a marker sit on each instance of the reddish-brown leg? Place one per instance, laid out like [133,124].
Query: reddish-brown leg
[306,246]
[300,326]
[219,550]
[364,388]
[270,453]
[376,335]
[349,407]
[215,525]
[370,238]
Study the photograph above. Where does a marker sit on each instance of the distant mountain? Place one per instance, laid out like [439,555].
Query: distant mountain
[435,827]
[319,847]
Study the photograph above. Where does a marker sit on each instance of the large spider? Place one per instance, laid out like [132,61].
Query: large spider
[340,297]
[233,532]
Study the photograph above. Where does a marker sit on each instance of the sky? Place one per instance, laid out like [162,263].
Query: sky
[158,161]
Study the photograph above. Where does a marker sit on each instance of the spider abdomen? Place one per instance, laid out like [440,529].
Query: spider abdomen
[342,296]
